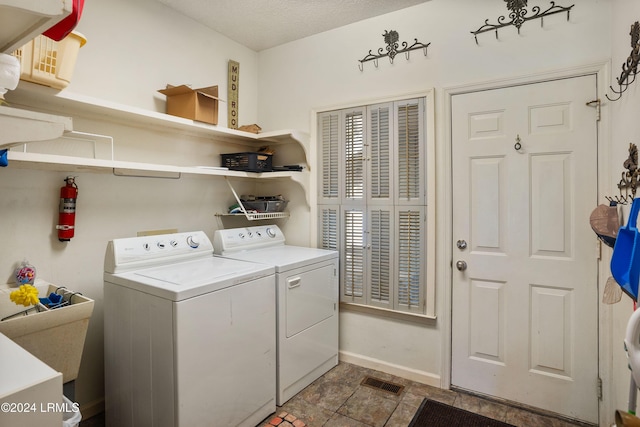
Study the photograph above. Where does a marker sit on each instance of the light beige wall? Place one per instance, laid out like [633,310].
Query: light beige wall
[134,48]
[322,71]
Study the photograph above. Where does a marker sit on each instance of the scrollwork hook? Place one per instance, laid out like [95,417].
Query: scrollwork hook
[392,49]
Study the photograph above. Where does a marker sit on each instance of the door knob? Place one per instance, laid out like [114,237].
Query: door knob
[461,265]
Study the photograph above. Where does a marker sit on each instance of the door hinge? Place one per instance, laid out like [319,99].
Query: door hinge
[599,388]
[598,249]
[598,104]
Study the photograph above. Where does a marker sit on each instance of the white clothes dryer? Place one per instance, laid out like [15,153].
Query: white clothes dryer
[307,301]
[189,337]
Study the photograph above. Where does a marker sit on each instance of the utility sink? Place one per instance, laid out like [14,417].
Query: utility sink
[57,336]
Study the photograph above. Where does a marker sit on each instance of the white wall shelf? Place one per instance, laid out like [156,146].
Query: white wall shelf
[32,96]
[81,164]
[21,21]
[28,96]
[68,164]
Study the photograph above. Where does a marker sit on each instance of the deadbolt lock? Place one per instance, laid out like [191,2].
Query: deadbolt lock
[461,244]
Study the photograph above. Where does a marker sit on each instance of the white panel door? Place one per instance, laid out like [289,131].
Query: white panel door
[525,308]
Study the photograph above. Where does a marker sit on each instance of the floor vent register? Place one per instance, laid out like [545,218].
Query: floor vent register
[383,385]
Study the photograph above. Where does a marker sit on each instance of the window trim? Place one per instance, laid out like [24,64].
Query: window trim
[430,163]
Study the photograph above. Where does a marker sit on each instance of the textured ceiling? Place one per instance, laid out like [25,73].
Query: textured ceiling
[262,24]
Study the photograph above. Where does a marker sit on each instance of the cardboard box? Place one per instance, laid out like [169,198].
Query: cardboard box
[254,128]
[56,336]
[195,104]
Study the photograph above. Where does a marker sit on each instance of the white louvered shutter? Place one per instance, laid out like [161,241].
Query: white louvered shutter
[329,227]
[353,256]
[329,136]
[372,204]
[409,160]
[380,153]
[354,155]
[380,257]
[410,254]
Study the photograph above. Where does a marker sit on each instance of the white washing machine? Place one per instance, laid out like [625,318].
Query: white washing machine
[307,295]
[189,338]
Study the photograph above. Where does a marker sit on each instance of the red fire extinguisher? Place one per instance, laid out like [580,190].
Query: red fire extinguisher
[67,218]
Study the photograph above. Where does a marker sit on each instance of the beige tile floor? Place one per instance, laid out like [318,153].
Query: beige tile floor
[338,399]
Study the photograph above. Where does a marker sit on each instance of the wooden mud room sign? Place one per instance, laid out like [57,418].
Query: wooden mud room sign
[232,95]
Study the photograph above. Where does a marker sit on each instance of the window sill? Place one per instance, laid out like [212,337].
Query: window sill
[390,314]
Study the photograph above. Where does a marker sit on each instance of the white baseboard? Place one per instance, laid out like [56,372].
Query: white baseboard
[390,368]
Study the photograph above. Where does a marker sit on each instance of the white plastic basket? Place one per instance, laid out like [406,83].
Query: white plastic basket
[70,418]
[48,62]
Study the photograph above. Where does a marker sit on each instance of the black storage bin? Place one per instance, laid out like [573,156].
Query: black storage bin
[265,204]
[248,162]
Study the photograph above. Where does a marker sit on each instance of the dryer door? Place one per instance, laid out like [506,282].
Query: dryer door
[310,295]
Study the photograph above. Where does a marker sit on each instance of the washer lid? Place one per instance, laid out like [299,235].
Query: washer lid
[182,280]
[285,257]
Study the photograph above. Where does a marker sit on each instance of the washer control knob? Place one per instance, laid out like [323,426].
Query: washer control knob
[193,242]
[241,235]
[270,232]
[146,246]
[161,245]
[173,243]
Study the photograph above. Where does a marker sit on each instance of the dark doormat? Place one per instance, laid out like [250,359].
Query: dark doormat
[436,414]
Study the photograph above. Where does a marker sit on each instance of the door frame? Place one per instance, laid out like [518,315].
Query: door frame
[444,214]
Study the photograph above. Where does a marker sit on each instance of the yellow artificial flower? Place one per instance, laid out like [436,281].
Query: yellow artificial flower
[26,295]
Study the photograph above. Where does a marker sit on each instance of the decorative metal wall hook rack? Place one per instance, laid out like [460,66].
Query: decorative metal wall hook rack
[630,66]
[518,15]
[391,50]
[630,179]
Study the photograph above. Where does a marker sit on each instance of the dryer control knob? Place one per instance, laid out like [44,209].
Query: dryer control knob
[193,242]
[270,232]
